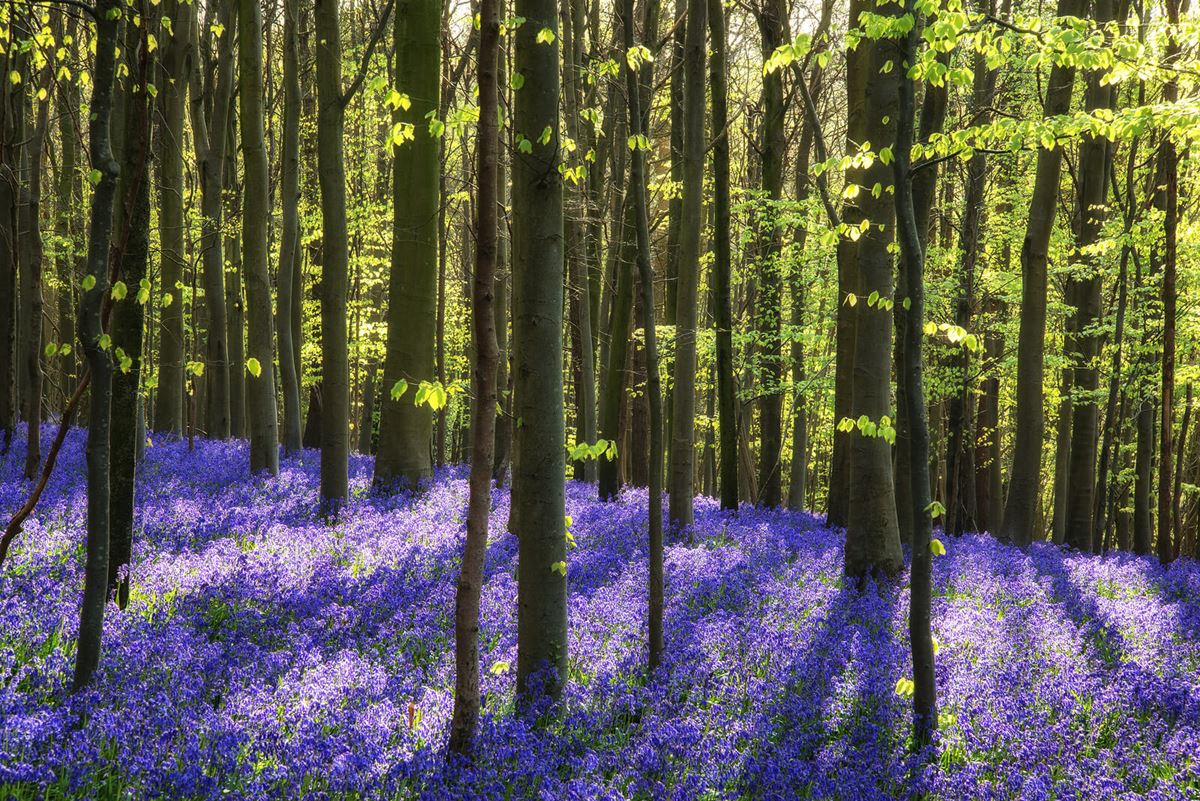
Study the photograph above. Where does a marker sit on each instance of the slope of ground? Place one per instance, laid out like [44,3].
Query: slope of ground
[267,655]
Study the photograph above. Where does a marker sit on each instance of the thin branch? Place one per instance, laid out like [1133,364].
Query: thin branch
[348,95]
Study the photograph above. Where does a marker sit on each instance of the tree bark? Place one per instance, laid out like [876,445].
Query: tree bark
[925,720]
[405,429]
[722,261]
[637,188]
[483,331]
[683,393]
[263,420]
[872,528]
[537,516]
[211,106]
[1020,508]
[99,359]
[175,68]
[772,24]
[131,250]
[289,243]
[1095,164]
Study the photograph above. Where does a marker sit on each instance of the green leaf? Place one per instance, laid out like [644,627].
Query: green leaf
[545,36]
[253,365]
[50,350]
[119,290]
[499,668]
[89,281]
[544,139]
[398,389]
[105,342]
[936,547]
[94,176]
[516,81]
[559,567]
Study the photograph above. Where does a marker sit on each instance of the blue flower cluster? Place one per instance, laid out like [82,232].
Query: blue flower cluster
[266,654]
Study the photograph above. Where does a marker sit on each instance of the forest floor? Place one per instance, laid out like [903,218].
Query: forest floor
[265,654]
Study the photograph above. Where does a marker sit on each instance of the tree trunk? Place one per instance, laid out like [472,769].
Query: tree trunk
[925,720]
[99,359]
[1143,522]
[33,283]
[289,244]
[872,528]
[175,69]
[335,260]
[483,331]
[405,429]
[131,250]
[1168,200]
[210,121]
[537,516]
[637,188]
[722,261]
[579,265]
[366,424]
[1020,508]
[12,142]
[683,392]
[260,362]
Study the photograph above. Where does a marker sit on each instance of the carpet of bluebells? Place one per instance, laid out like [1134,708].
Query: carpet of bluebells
[266,654]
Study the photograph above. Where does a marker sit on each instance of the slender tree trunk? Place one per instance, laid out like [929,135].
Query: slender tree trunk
[1106,473]
[579,265]
[1020,508]
[483,331]
[405,429]
[683,394]
[722,261]
[12,142]
[131,250]
[1168,170]
[235,329]
[289,244]
[68,192]
[1143,523]
[211,107]
[366,425]
[637,188]
[33,269]
[99,359]
[962,502]
[335,260]
[677,83]
[919,629]
[175,69]
[264,427]
[1176,492]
